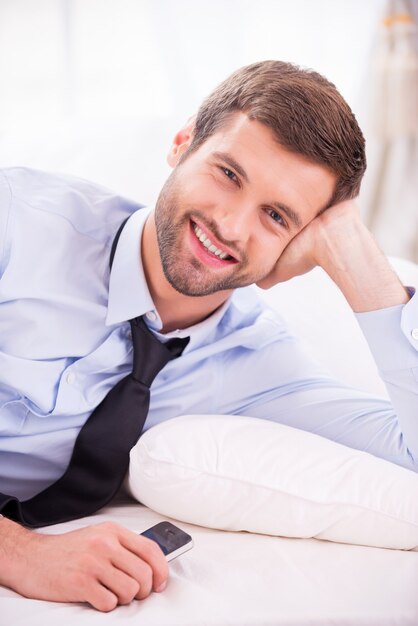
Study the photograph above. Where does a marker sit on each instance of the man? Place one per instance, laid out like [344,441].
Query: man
[261,191]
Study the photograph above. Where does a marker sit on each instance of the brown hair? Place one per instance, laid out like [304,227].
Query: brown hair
[303,109]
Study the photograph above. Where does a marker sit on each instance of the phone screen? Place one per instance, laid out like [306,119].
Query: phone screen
[172,540]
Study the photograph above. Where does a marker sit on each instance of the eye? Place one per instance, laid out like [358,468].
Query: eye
[275,216]
[230,174]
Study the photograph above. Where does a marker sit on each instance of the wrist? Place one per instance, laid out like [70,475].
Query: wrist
[337,245]
[355,263]
[13,543]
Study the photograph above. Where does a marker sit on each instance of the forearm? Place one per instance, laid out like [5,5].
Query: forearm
[13,542]
[387,315]
[339,242]
[361,271]
[392,337]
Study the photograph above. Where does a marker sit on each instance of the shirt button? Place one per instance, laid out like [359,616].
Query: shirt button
[71,378]
[151,315]
[414,333]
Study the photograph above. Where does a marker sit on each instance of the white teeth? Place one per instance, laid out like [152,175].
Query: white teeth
[200,235]
[208,244]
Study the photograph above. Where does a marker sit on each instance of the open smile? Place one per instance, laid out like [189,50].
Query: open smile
[208,249]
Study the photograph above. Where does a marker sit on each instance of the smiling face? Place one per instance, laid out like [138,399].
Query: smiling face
[229,209]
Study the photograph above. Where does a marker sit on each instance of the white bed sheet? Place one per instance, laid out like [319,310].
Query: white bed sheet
[246,579]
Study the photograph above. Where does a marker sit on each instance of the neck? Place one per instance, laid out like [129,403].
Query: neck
[175,309]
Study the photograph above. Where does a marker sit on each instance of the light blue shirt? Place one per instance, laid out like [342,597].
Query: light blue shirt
[65,341]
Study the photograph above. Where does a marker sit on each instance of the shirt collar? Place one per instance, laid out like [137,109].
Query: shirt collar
[129,296]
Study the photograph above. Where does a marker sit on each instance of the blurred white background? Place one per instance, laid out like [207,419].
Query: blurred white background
[97,88]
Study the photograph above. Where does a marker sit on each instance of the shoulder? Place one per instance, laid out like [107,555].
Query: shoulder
[85,205]
[26,181]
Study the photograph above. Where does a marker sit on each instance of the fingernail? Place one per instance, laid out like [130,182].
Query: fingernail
[161,587]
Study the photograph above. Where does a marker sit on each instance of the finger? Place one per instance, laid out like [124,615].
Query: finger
[146,583]
[101,598]
[150,552]
[138,569]
[124,587]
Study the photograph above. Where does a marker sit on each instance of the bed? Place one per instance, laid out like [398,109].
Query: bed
[249,580]
[232,578]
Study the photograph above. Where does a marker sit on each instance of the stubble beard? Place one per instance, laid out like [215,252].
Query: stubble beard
[183,271]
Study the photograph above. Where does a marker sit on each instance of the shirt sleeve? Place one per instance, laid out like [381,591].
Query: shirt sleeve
[392,335]
[283,382]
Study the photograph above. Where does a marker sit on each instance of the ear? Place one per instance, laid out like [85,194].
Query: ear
[181,142]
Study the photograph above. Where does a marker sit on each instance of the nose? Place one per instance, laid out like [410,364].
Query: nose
[236,222]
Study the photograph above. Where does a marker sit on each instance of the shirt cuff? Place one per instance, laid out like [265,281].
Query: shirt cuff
[392,334]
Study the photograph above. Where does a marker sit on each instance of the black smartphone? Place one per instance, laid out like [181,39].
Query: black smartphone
[172,540]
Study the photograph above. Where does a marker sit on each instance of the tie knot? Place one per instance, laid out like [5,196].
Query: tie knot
[150,355]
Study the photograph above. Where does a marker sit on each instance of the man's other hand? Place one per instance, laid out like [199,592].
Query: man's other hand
[104,565]
[339,242]
[315,243]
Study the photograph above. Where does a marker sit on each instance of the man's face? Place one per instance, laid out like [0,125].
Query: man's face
[228,210]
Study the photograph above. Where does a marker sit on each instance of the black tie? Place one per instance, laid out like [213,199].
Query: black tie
[100,457]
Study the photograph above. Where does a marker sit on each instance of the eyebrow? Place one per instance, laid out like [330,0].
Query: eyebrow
[229,160]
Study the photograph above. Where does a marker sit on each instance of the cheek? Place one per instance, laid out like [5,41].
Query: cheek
[202,190]
[266,254]
[270,243]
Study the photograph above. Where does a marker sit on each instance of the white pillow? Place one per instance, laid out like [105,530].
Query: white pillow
[242,473]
